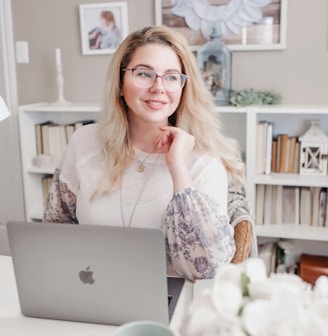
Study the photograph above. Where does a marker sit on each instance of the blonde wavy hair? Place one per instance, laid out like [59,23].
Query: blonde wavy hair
[196,113]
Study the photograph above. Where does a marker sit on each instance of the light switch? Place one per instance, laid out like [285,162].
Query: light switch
[22,52]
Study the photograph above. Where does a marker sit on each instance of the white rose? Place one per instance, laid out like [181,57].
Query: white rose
[231,273]
[227,297]
[320,289]
[255,269]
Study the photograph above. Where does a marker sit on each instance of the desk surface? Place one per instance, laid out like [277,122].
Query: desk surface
[13,323]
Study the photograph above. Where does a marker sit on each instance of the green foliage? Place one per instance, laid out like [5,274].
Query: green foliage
[244,284]
[253,97]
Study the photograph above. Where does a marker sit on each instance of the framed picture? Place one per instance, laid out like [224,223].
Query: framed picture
[242,25]
[103,27]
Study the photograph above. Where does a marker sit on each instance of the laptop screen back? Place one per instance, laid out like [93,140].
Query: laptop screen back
[90,273]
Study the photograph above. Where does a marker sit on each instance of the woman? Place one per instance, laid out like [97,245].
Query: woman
[156,159]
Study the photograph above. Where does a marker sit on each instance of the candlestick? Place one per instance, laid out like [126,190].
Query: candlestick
[58,56]
[60,80]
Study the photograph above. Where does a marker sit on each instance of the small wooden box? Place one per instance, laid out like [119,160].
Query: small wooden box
[312,266]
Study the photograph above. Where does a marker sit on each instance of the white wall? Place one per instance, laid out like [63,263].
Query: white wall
[11,191]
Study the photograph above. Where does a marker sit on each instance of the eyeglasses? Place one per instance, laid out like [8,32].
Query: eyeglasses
[145,78]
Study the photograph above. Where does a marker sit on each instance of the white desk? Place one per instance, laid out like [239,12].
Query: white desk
[13,323]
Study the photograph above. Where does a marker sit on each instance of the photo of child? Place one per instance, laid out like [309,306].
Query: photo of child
[107,35]
[103,27]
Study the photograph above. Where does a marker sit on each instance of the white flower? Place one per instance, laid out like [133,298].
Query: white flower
[321,288]
[286,245]
[227,298]
[243,301]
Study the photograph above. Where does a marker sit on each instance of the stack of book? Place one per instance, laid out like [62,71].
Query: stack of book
[51,138]
[276,153]
[276,204]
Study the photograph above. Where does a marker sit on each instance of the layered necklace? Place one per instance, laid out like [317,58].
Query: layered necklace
[141,169]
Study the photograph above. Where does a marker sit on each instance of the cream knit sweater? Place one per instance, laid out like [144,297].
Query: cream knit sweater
[195,220]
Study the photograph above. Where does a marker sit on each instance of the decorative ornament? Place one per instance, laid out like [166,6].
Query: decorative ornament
[214,60]
[314,151]
[229,19]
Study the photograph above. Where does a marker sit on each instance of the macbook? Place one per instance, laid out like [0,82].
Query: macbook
[92,273]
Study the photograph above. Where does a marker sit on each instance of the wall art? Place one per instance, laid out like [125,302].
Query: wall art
[103,27]
[243,25]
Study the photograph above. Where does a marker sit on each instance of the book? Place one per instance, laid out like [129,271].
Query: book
[279,200]
[274,204]
[38,139]
[41,137]
[268,148]
[81,123]
[297,155]
[288,205]
[274,156]
[70,129]
[267,252]
[306,206]
[56,141]
[315,191]
[287,156]
[267,204]
[297,205]
[261,129]
[291,154]
[260,189]
[322,207]
[282,144]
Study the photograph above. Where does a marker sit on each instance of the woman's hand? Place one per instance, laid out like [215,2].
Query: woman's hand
[178,144]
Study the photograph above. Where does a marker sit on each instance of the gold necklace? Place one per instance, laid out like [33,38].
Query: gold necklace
[140,193]
[141,164]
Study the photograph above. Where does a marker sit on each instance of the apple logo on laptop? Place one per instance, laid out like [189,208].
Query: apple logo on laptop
[86,276]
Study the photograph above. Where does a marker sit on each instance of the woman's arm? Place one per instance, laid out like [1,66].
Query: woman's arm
[61,203]
[198,237]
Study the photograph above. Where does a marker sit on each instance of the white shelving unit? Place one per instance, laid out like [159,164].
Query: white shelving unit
[29,116]
[295,121]
[239,123]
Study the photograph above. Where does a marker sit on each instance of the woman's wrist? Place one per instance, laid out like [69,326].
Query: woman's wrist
[181,177]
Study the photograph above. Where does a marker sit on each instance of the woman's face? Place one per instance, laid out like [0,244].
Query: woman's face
[154,104]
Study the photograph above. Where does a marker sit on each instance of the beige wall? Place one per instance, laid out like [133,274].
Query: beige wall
[47,25]
[299,73]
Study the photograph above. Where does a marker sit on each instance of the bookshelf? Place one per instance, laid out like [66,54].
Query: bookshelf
[29,116]
[239,123]
[294,121]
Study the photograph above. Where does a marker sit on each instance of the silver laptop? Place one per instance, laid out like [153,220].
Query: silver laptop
[91,273]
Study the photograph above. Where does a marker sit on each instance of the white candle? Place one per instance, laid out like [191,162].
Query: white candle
[58,57]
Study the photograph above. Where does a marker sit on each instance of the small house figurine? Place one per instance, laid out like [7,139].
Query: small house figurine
[314,150]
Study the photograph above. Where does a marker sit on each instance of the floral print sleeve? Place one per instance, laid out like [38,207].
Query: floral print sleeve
[198,237]
[61,204]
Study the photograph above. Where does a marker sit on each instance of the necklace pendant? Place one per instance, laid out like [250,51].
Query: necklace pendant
[141,168]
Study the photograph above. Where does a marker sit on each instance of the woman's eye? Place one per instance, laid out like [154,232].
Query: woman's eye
[172,77]
[145,74]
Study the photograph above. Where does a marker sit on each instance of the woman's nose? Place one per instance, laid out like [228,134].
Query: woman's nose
[158,84]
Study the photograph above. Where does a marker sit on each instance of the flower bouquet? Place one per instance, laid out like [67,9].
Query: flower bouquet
[244,301]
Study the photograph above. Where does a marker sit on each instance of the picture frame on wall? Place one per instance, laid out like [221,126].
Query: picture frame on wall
[103,26]
[242,27]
